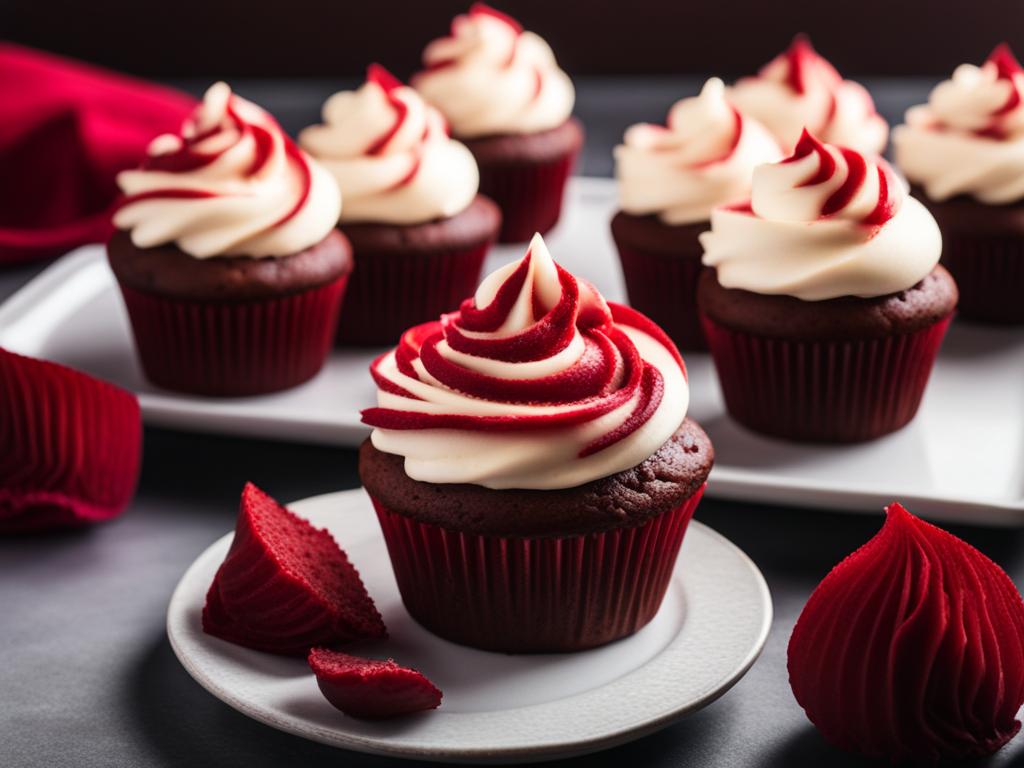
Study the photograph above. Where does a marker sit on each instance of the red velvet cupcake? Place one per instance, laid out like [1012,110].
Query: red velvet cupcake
[506,99]
[825,307]
[537,440]
[227,256]
[798,90]
[964,153]
[417,226]
[670,178]
[912,648]
[71,446]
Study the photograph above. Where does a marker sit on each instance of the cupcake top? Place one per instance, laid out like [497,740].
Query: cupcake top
[969,138]
[230,183]
[391,154]
[825,222]
[535,382]
[490,77]
[702,158]
[799,89]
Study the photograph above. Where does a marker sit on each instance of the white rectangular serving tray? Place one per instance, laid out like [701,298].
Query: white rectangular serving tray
[962,459]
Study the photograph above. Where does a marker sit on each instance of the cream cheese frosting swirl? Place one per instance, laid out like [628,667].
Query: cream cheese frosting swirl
[799,89]
[823,223]
[391,155]
[703,157]
[490,77]
[969,138]
[535,382]
[230,184]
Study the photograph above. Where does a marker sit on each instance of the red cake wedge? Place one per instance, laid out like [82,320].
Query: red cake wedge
[371,689]
[285,586]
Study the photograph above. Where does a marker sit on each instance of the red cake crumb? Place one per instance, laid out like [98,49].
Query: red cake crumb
[371,689]
[286,586]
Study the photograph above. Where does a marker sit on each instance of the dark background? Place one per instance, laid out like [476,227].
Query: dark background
[327,38]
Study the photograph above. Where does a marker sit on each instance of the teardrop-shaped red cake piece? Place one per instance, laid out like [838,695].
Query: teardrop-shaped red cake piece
[286,586]
[70,446]
[912,648]
[372,689]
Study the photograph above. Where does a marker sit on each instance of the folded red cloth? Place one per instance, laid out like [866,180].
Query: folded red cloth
[67,129]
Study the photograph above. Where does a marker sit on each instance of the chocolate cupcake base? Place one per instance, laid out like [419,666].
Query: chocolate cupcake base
[231,326]
[661,264]
[983,247]
[525,571]
[408,275]
[840,370]
[526,174]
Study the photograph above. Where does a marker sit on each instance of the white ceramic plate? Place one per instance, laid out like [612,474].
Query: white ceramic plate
[496,707]
[961,459]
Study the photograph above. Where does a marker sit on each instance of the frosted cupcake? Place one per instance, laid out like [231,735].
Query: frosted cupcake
[537,438]
[417,226]
[227,255]
[670,178]
[799,89]
[963,152]
[825,305]
[506,99]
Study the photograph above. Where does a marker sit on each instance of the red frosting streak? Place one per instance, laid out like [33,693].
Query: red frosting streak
[482,9]
[807,145]
[1008,69]
[799,57]
[608,375]
[166,194]
[856,172]
[737,133]
[296,156]
[388,82]
[912,648]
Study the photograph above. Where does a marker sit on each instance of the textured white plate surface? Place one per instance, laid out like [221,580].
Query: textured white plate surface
[497,707]
[961,459]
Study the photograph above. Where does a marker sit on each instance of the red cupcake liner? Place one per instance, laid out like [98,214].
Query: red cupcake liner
[71,446]
[823,391]
[531,595]
[989,272]
[530,195]
[664,287]
[233,348]
[390,292]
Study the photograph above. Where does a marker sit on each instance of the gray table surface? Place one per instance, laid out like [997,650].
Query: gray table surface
[87,677]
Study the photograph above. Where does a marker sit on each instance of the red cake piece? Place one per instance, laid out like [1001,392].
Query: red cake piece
[69,446]
[286,586]
[370,688]
[912,648]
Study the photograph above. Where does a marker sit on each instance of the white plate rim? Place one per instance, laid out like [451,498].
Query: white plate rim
[179,607]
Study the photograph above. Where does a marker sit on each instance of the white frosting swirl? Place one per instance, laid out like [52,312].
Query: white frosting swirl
[824,223]
[702,158]
[969,138]
[535,383]
[391,155]
[490,77]
[799,89]
[231,184]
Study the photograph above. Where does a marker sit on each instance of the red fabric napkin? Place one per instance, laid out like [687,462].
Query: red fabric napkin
[65,132]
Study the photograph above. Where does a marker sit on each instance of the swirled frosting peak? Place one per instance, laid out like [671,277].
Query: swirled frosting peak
[701,158]
[231,183]
[912,648]
[491,77]
[969,137]
[798,89]
[391,155]
[535,382]
[825,222]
